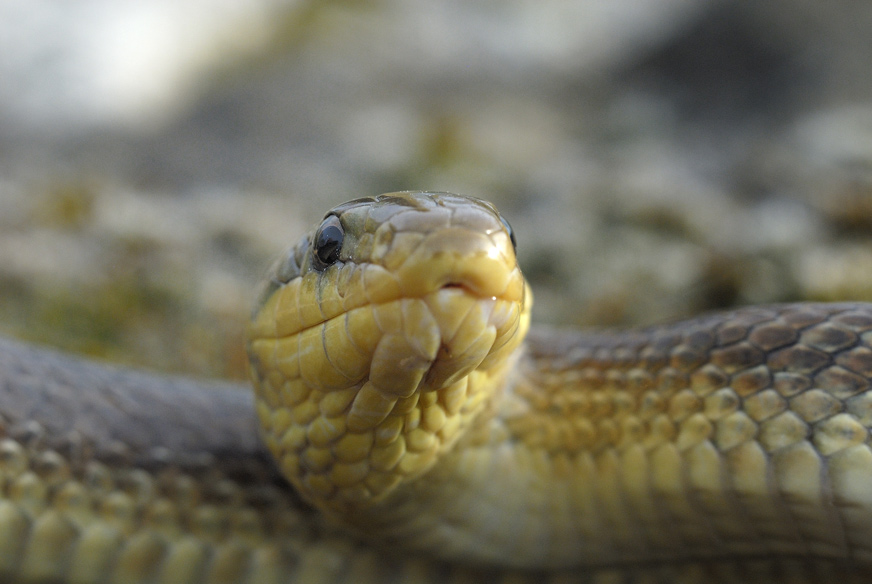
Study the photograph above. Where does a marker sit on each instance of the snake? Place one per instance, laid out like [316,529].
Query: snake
[408,425]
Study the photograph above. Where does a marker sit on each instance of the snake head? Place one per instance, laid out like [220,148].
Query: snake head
[379,337]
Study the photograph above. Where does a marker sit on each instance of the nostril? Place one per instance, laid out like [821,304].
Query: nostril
[453,285]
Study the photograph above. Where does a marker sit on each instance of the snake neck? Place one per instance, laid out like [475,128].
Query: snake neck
[494,496]
[734,434]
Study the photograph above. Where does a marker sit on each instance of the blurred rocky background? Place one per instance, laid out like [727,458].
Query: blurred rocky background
[657,158]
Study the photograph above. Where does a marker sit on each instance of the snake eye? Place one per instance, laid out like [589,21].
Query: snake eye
[511,233]
[327,243]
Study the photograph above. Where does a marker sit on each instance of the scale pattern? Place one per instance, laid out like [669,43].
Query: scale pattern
[728,434]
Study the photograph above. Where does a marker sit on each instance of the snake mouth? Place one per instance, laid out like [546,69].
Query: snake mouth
[401,346]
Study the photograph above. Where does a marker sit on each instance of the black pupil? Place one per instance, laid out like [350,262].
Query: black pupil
[328,244]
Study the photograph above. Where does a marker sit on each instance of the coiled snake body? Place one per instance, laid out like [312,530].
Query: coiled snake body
[410,433]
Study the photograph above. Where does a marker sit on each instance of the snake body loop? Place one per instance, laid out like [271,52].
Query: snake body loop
[412,431]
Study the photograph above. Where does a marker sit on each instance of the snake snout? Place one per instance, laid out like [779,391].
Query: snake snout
[475,261]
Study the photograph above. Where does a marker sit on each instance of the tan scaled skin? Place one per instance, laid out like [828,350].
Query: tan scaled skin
[730,437]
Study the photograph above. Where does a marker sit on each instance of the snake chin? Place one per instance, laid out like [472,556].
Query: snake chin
[471,328]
